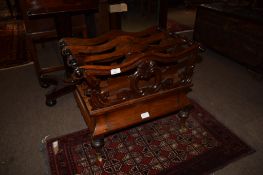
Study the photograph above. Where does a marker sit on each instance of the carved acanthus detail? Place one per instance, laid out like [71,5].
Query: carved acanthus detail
[146,71]
[99,99]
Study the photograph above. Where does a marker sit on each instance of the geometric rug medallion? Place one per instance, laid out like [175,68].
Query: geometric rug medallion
[156,147]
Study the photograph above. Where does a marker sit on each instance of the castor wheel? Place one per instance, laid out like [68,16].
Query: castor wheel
[202,48]
[51,102]
[98,144]
[44,84]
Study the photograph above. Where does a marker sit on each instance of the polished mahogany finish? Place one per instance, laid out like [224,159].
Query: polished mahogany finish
[128,78]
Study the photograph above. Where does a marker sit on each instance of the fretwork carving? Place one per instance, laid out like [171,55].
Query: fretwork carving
[151,64]
[148,78]
[146,71]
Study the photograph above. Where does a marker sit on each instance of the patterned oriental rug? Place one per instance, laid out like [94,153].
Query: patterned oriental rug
[157,147]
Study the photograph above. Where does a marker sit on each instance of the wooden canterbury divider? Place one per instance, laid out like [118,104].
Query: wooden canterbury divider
[123,79]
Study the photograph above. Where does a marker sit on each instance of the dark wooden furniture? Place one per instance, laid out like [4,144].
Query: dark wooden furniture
[122,79]
[114,23]
[13,8]
[47,19]
[248,3]
[198,2]
[10,7]
[234,31]
[129,78]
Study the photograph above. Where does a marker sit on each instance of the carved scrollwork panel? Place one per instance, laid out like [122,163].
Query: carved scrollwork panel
[99,99]
[146,71]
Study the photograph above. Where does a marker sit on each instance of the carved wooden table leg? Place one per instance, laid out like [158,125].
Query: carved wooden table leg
[98,144]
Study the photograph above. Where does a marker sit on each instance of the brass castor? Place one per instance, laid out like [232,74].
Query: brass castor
[97,144]
[183,116]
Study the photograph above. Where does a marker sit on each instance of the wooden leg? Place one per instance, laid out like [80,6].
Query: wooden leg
[52,97]
[10,8]
[98,144]
[202,48]
[45,81]
[31,47]
[183,116]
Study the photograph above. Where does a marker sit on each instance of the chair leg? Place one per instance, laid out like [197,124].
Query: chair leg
[52,97]
[10,8]
[45,81]
[98,144]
